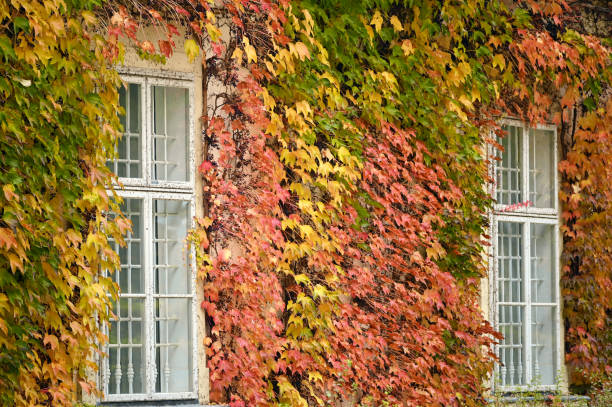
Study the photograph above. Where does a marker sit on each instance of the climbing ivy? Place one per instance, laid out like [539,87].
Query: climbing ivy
[345,178]
[58,123]
[341,250]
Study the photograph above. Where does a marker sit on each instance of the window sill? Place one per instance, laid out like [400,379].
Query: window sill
[157,403]
[543,398]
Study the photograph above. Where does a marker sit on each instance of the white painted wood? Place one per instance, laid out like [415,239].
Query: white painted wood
[527,344]
[526,216]
[148,190]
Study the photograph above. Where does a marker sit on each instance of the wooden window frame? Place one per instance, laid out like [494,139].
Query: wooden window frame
[147,189]
[527,215]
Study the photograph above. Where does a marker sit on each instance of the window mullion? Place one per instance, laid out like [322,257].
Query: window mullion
[555,200]
[494,287]
[149,339]
[527,291]
[166,160]
[193,316]
[149,306]
[106,363]
[147,116]
[525,165]
[557,297]
[494,164]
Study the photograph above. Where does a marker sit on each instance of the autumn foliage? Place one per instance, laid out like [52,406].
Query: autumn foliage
[564,75]
[57,124]
[345,167]
[586,278]
[349,281]
[360,240]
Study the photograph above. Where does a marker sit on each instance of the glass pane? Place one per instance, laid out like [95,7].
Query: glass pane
[509,262]
[542,263]
[127,164]
[172,272]
[511,370]
[509,180]
[130,276]
[541,168]
[173,345]
[544,345]
[123,103]
[126,369]
[170,134]
[133,113]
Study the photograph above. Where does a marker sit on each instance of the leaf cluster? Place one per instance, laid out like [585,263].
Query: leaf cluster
[58,123]
[345,175]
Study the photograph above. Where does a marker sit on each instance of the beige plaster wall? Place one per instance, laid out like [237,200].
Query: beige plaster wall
[179,63]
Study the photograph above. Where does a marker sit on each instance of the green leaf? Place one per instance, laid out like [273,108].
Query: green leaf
[21,24]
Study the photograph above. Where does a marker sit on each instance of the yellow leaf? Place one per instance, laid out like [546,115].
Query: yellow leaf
[9,192]
[319,291]
[498,60]
[288,394]
[370,32]
[395,22]
[304,108]
[237,54]
[49,271]
[205,222]
[191,49]
[302,279]
[306,231]
[465,68]
[250,51]
[407,48]
[377,21]
[302,50]
[466,102]
[315,376]
[269,101]
[51,340]
[344,155]
[309,22]
[213,31]
[89,17]
[475,94]
[15,262]
[57,24]
[453,106]
[389,79]
[225,255]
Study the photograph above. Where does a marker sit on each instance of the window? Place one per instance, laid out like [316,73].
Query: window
[150,354]
[525,268]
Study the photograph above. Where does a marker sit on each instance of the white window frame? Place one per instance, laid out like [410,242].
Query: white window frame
[148,190]
[526,215]
[146,183]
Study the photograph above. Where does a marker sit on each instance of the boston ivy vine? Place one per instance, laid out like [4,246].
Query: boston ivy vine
[345,168]
[349,165]
[57,124]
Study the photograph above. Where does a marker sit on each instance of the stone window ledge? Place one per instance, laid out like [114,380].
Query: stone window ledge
[542,399]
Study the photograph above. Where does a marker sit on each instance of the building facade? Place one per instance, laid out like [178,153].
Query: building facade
[156,352]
